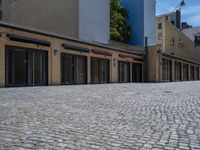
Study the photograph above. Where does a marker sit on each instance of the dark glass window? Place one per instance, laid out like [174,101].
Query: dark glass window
[124,72]
[166,70]
[185,72]
[100,70]
[137,72]
[191,72]
[73,69]
[26,67]
[177,71]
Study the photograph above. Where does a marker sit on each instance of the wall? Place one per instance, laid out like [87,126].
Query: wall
[54,68]
[136,20]
[60,16]
[94,20]
[6,10]
[142,19]
[150,21]
[153,64]
[186,50]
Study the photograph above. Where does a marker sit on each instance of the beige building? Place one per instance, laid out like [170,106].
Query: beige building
[180,56]
[30,57]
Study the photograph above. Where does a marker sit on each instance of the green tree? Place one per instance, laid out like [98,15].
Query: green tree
[119,28]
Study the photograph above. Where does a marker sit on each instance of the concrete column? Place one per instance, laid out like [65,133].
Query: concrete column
[55,64]
[114,68]
[2,65]
[88,69]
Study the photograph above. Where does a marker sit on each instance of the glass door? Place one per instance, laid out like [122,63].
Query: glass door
[19,67]
[137,72]
[100,71]
[73,69]
[25,67]
[185,72]
[67,69]
[80,69]
[124,72]
[39,62]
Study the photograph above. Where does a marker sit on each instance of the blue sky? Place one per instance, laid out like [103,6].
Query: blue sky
[190,13]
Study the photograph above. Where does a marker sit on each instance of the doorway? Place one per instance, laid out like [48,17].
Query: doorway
[100,71]
[124,72]
[137,72]
[26,67]
[73,69]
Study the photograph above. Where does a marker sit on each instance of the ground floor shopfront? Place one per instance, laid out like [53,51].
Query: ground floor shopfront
[30,58]
[176,69]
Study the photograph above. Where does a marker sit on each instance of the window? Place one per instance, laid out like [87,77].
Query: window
[124,72]
[177,71]
[160,26]
[73,69]
[172,41]
[173,22]
[159,36]
[197,39]
[166,70]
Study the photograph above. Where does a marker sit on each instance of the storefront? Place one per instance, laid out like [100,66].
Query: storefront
[124,72]
[73,69]
[166,70]
[196,73]
[185,72]
[191,72]
[26,67]
[177,71]
[137,75]
[100,70]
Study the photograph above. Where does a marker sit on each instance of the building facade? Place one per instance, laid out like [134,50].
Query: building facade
[67,17]
[30,57]
[177,54]
[142,19]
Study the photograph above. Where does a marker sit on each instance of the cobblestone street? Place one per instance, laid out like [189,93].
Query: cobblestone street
[113,116]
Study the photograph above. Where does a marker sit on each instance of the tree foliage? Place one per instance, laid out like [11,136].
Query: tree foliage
[119,28]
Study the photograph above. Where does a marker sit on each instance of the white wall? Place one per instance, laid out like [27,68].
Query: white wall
[94,20]
[150,21]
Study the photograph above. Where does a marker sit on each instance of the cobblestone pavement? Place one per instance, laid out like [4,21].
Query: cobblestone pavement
[113,116]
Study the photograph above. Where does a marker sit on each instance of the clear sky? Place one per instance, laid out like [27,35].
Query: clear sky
[190,13]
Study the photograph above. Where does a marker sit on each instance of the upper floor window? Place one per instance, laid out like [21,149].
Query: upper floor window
[160,26]
[197,39]
[159,36]
[172,41]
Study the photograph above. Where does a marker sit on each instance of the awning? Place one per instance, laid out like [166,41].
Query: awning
[75,48]
[125,56]
[105,53]
[24,39]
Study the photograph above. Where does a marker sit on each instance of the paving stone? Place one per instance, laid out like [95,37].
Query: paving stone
[109,116]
